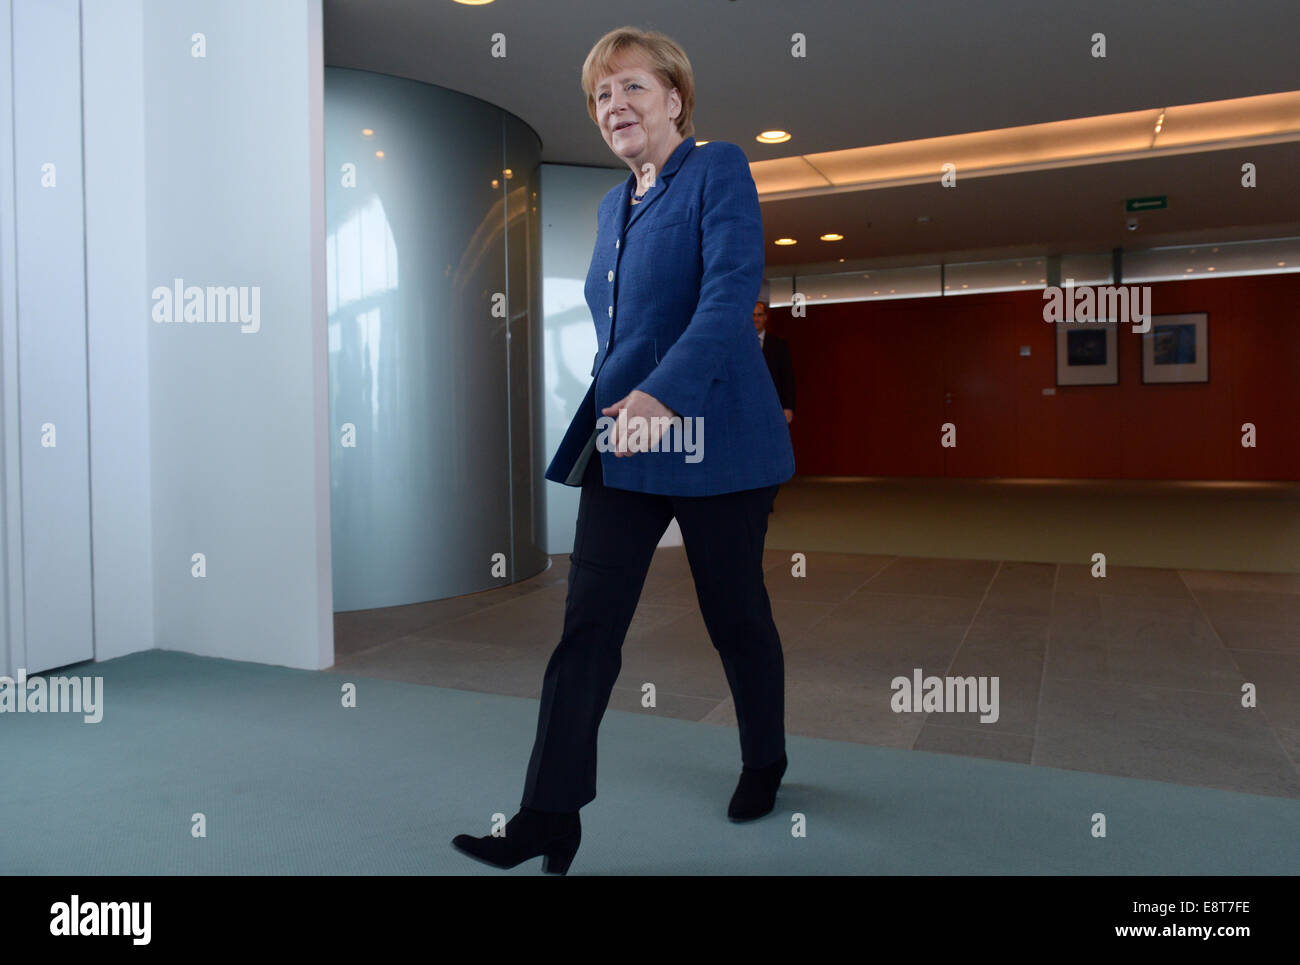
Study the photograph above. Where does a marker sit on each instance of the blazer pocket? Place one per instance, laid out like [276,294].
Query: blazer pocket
[673,221]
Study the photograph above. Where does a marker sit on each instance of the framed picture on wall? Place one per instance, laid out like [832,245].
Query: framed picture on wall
[1177,349]
[1086,353]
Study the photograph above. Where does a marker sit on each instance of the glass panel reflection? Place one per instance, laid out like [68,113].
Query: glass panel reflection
[428,399]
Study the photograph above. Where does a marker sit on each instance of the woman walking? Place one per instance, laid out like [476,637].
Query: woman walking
[673,280]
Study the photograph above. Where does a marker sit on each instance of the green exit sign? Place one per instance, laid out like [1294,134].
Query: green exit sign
[1146,204]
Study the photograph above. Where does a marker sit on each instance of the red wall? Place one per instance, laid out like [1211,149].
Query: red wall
[876,380]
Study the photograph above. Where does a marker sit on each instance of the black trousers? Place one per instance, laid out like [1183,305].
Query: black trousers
[615,540]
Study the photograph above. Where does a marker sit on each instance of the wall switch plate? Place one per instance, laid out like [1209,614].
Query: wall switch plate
[1024,351]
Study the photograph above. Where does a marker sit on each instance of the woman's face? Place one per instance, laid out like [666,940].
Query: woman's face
[636,110]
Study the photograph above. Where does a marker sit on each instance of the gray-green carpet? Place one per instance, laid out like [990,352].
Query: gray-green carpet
[290,782]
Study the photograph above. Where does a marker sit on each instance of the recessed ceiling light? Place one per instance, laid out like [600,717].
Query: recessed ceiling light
[379,154]
[367,132]
[786,241]
[832,237]
[773,137]
[1108,138]
[474,3]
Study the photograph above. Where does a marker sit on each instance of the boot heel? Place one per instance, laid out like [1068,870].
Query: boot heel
[556,861]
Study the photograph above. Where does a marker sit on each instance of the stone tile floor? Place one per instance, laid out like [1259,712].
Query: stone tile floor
[1139,674]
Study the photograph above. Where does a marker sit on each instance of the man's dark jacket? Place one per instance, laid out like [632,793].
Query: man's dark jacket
[776,352]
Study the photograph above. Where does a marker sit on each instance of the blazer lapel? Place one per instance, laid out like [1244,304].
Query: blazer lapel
[654,191]
[620,209]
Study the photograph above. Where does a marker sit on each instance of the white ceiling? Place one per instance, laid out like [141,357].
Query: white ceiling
[877,73]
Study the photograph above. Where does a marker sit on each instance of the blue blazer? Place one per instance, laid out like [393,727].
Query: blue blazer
[671,288]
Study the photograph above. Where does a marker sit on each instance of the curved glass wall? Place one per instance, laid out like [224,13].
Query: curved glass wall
[434,350]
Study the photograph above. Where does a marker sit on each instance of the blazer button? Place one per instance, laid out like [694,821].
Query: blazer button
[611,311]
[611,276]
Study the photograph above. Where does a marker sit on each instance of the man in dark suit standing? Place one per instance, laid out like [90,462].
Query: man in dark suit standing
[776,352]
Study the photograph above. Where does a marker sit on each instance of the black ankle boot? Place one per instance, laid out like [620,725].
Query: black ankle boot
[528,834]
[756,793]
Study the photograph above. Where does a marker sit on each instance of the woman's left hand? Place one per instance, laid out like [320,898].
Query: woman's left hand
[637,404]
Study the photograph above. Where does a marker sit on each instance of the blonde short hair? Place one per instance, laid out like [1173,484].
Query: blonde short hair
[667,59]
